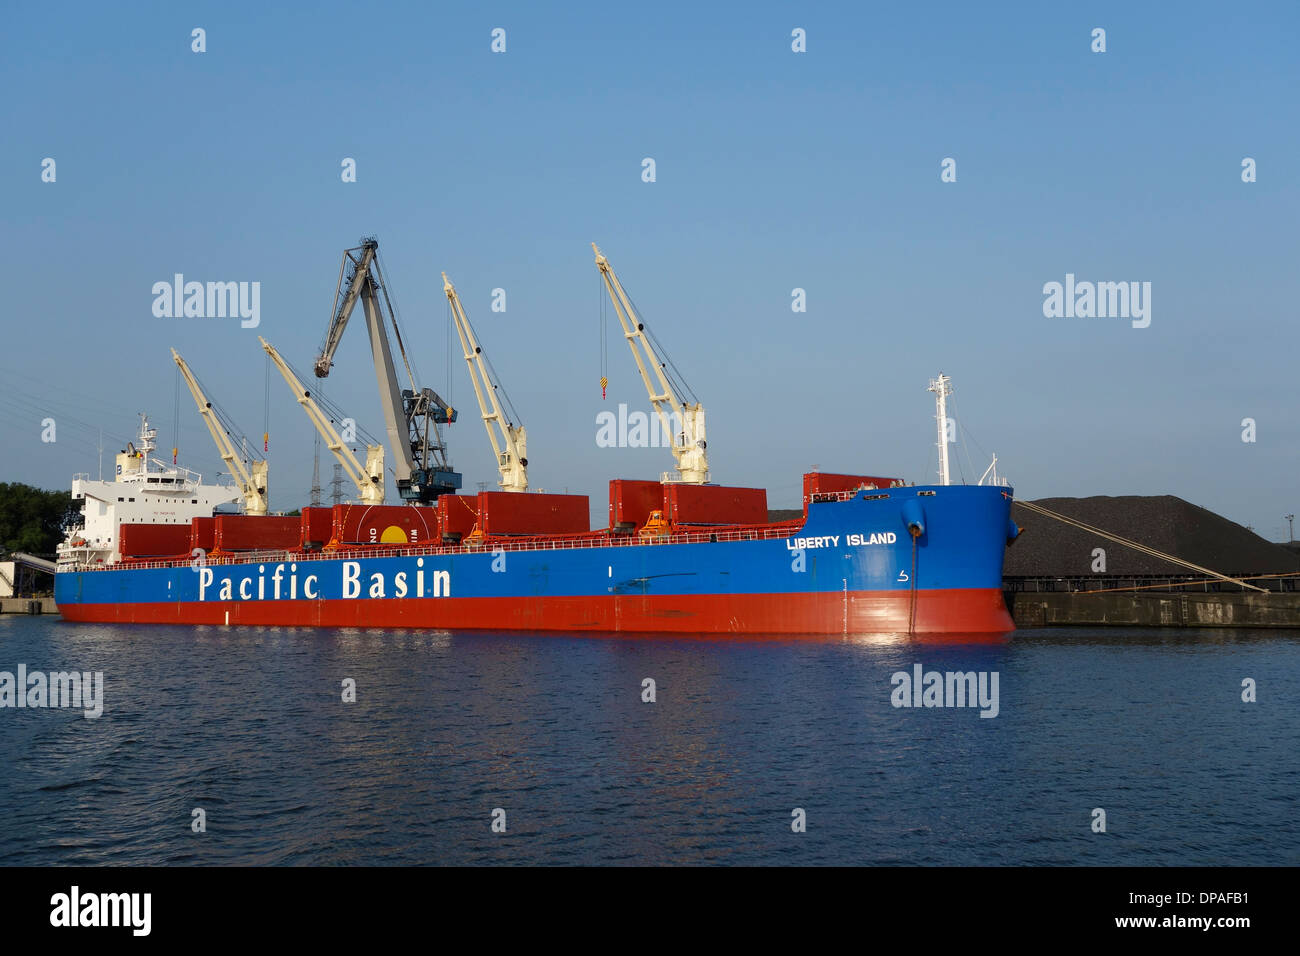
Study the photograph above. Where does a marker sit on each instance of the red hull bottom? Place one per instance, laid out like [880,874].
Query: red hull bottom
[967,613]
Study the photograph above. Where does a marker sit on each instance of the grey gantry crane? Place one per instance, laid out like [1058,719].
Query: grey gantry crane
[412,415]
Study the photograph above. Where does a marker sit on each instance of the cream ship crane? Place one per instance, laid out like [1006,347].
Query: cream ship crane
[368,479]
[249,476]
[509,441]
[689,446]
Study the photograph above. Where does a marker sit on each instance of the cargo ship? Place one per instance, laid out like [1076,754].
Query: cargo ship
[870,555]
[680,555]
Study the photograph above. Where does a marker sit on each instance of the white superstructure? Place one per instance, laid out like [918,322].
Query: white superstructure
[144,491]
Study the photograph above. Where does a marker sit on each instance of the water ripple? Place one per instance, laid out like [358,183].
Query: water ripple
[249,726]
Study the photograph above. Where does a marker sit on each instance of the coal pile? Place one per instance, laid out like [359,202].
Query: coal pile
[1049,547]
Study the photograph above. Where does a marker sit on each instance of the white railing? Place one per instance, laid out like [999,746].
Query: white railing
[757,533]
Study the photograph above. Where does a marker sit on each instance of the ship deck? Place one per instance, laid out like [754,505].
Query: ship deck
[593,539]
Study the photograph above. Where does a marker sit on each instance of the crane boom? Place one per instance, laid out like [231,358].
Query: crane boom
[511,446]
[251,477]
[689,445]
[411,415]
[369,479]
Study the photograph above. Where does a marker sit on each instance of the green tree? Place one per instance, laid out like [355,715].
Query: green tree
[32,519]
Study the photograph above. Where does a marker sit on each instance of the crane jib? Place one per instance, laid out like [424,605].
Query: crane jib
[411,415]
[688,437]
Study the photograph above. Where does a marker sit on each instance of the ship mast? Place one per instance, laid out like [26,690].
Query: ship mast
[942,388]
[147,443]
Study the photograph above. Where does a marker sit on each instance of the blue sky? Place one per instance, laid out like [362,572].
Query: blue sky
[775,170]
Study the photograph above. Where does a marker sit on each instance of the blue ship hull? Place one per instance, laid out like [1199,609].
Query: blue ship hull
[917,560]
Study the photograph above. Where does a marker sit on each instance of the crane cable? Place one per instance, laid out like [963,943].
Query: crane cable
[447,352]
[334,413]
[176,417]
[669,367]
[223,418]
[377,277]
[493,377]
[266,409]
[604,335]
[1128,543]
[437,445]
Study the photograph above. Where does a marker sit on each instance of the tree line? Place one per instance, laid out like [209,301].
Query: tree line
[34,520]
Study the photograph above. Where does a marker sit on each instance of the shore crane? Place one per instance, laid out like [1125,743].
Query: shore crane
[511,445]
[369,478]
[250,476]
[689,445]
[412,415]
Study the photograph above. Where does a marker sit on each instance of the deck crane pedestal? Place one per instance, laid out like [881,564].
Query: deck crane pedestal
[689,445]
[511,445]
[368,479]
[250,476]
[412,415]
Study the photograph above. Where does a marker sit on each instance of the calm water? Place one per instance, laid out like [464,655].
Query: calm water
[249,725]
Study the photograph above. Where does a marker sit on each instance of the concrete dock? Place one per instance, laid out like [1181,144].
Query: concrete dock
[1155,609]
[28,606]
